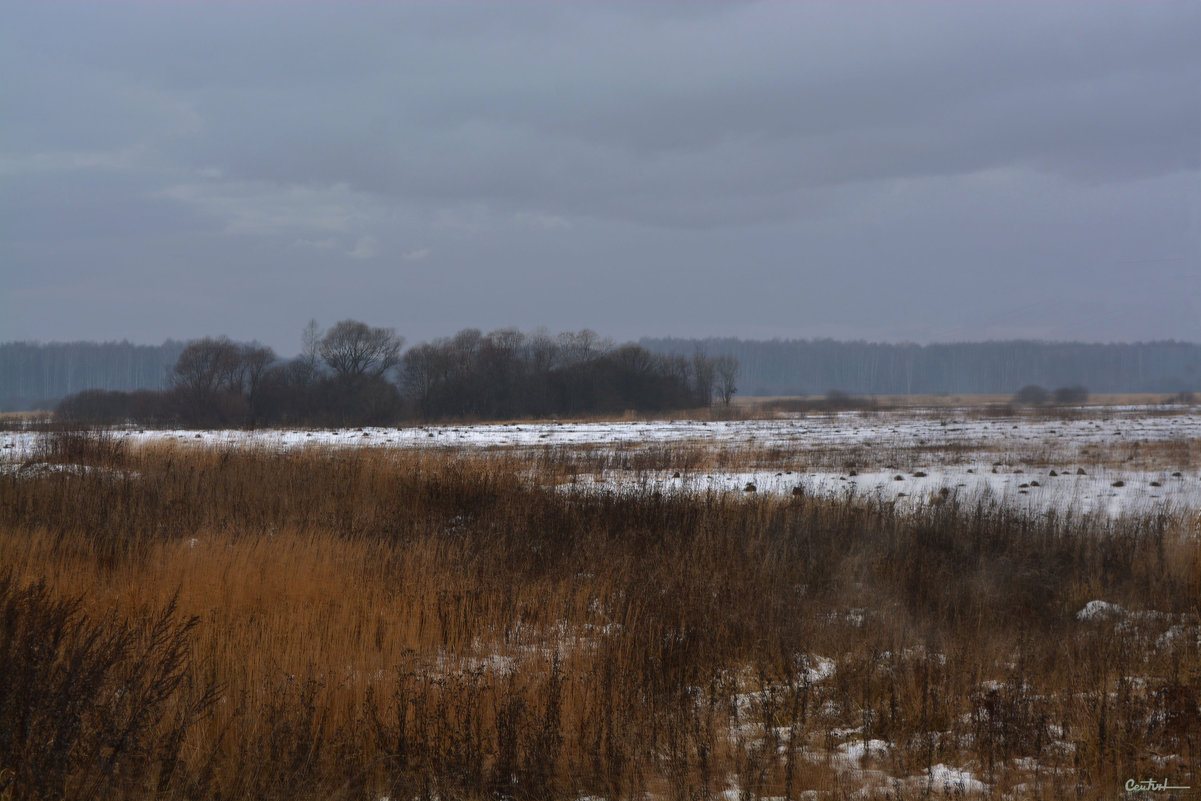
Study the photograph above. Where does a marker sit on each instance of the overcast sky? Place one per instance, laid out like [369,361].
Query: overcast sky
[903,171]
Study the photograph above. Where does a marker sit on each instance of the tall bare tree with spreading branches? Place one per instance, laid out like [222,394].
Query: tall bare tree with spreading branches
[356,351]
[726,368]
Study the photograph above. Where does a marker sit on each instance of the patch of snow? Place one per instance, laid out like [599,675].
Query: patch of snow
[1189,634]
[1100,610]
[854,752]
[816,668]
[945,779]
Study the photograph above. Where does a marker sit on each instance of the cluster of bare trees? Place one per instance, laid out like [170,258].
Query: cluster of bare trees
[354,374]
[507,373]
[1035,395]
[214,382]
[340,378]
[217,381]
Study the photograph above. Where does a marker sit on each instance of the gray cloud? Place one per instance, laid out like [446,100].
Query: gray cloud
[896,170]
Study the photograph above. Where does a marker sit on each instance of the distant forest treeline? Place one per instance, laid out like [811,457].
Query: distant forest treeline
[814,367]
[38,375]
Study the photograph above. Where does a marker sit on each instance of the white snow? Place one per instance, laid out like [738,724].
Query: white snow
[817,668]
[854,752]
[968,483]
[944,779]
[936,454]
[1100,610]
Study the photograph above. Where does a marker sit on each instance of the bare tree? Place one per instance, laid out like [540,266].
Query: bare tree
[217,380]
[355,351]
[509,341]
[579,347]
[703,376]
[726,368]
[255,362]
[310,346]
[634,358]
[424,367]
[544,351]
[208,365]
[464,348]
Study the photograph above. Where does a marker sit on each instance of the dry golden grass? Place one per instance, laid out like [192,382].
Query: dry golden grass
[433,624]
[965,400]
[18,420]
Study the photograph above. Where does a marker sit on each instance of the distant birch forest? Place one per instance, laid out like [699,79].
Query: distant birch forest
[817,366]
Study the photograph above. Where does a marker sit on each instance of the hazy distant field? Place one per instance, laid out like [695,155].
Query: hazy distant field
[635,609]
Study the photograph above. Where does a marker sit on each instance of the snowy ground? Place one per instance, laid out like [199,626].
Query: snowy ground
[1138,491]
[1106,459]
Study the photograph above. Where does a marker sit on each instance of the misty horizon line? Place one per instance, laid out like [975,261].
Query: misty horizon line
[406,344]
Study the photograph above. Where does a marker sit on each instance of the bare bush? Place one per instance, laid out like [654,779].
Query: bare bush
[1073,394]
[1032,395]
[91,708]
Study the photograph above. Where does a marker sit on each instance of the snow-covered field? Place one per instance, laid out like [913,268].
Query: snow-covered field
[1106,459]
[1113,492]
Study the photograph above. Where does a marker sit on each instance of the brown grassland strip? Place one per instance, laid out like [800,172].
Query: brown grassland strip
[558,463]
[357,623]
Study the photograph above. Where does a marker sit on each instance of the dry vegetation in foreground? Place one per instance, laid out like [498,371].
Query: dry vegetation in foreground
[241,624]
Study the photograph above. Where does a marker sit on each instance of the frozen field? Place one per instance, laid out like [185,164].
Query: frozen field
[1107,459]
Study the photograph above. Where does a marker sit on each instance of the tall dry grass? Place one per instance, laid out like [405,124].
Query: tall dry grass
[192,623]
